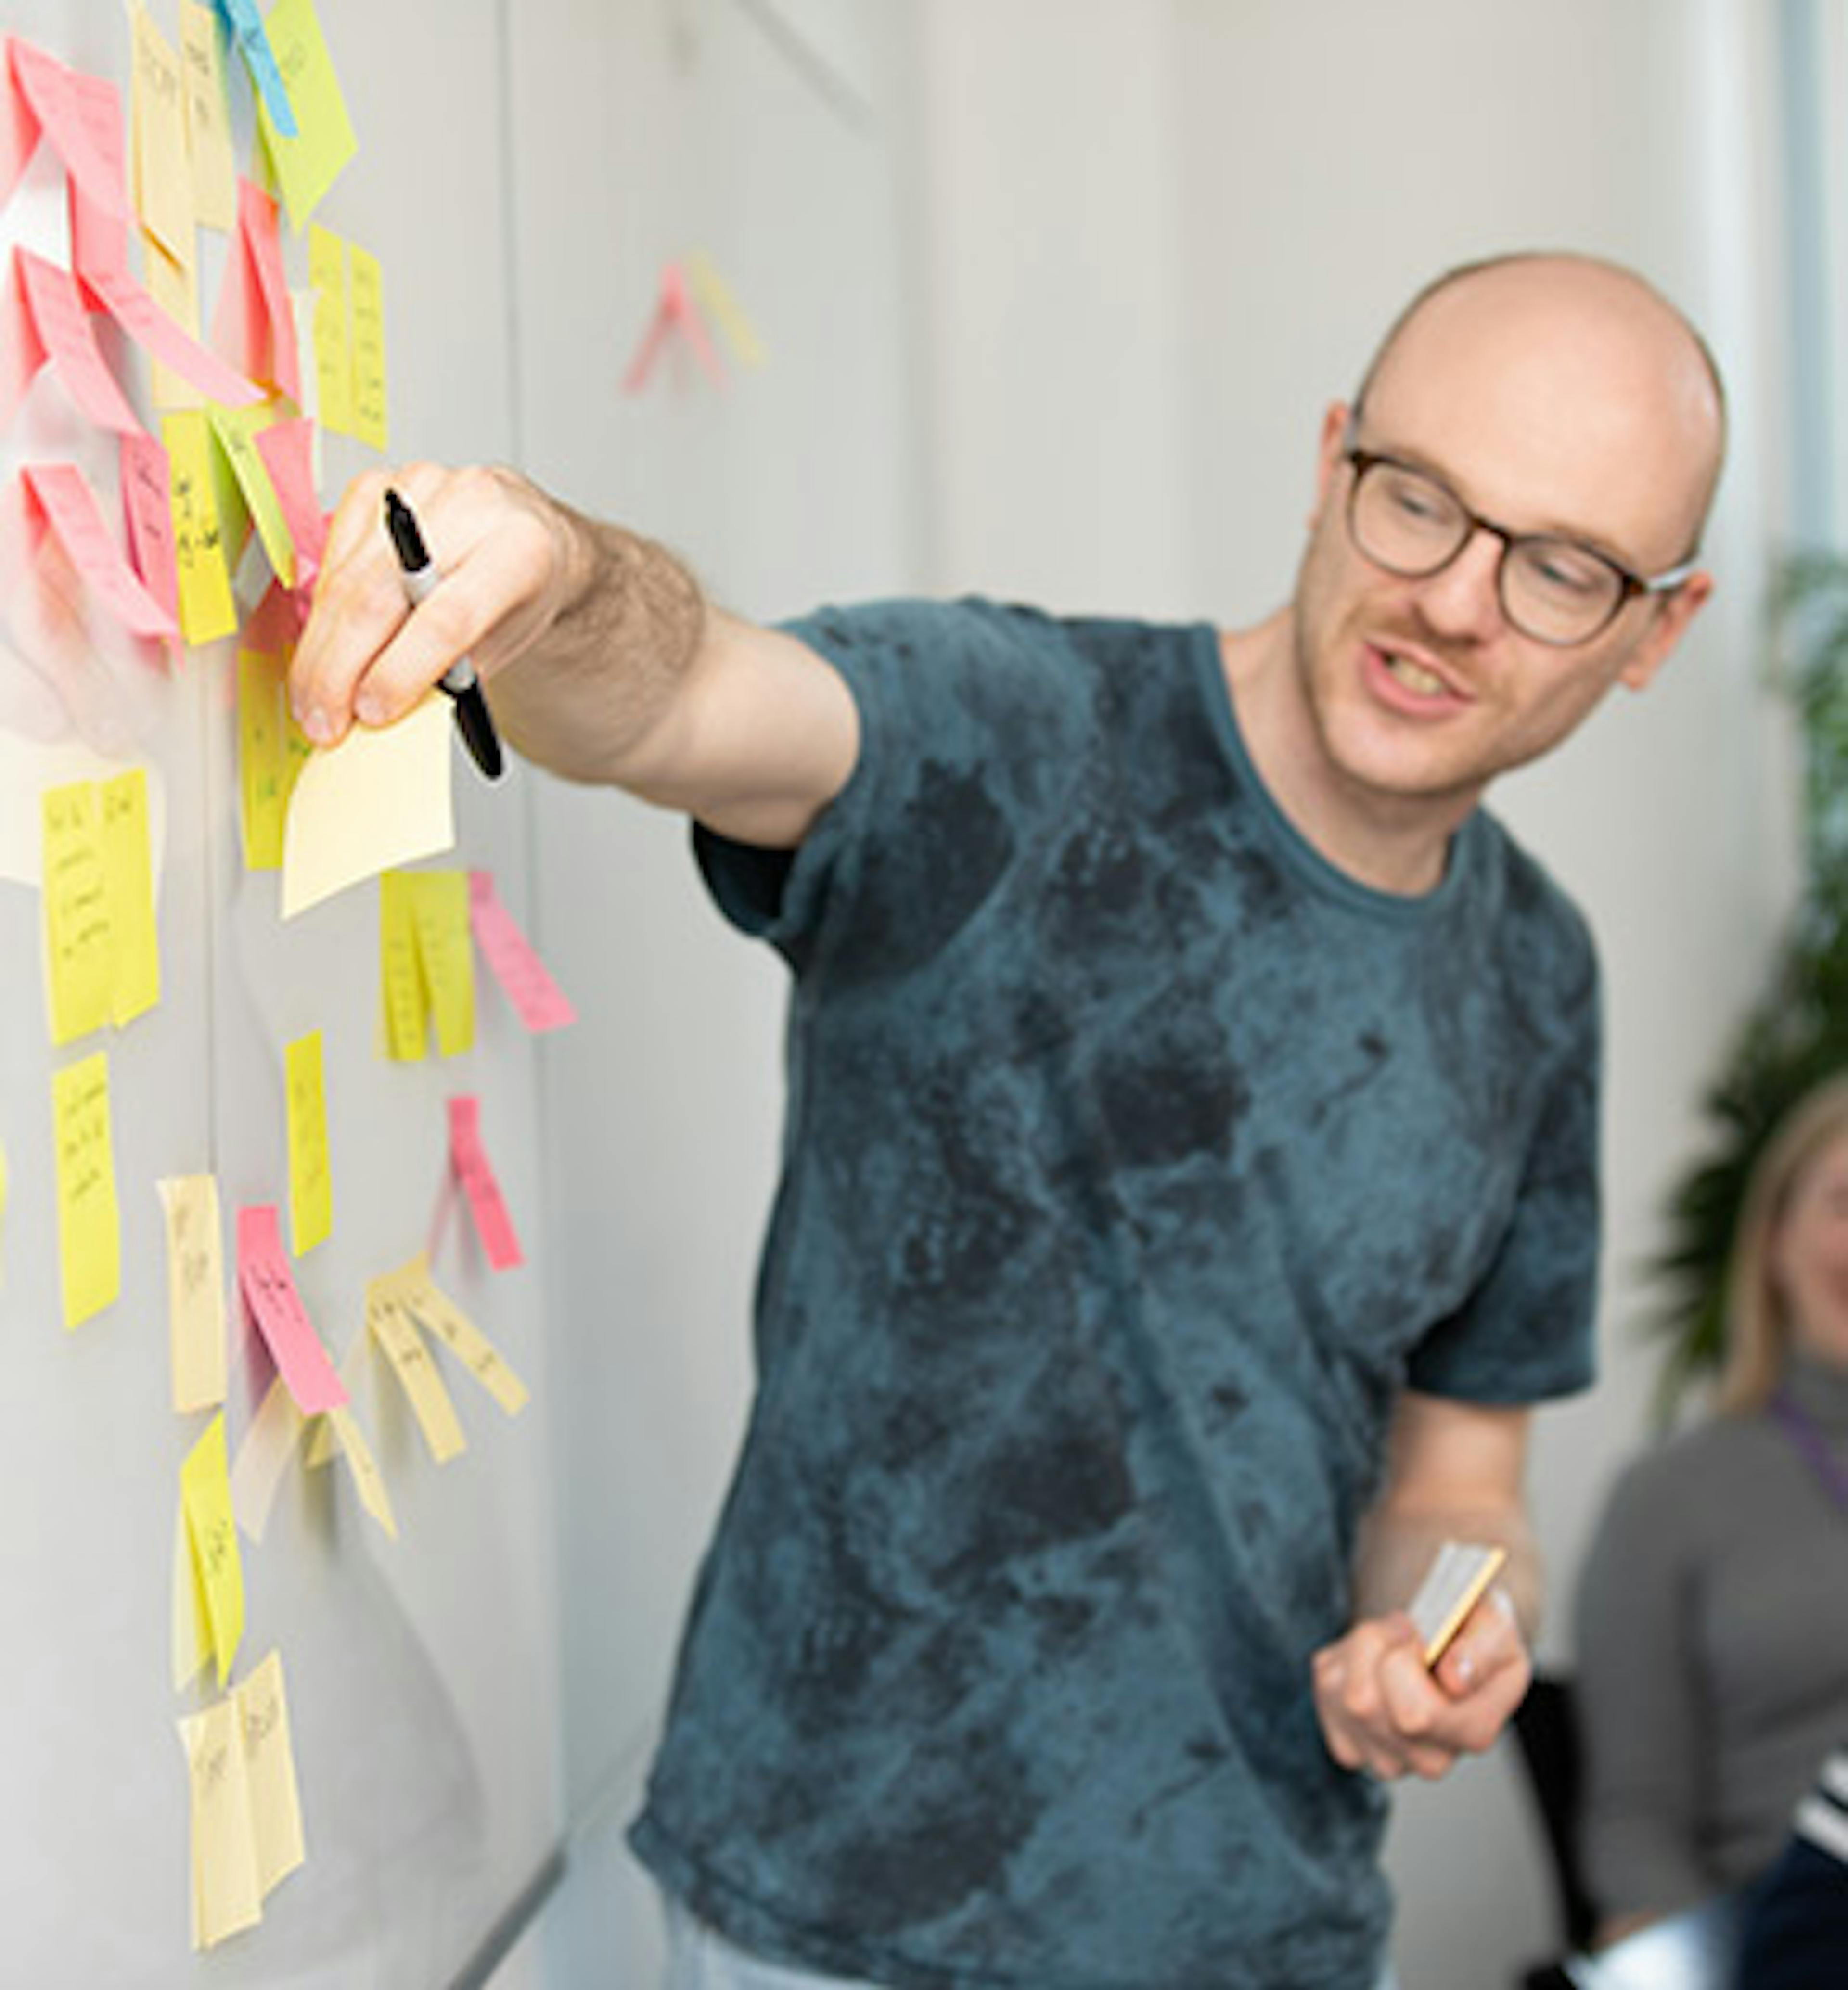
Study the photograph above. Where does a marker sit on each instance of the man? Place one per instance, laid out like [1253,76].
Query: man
[1193,1101]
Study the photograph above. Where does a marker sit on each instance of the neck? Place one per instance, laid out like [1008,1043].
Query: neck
[1392,842]
[1818,1389]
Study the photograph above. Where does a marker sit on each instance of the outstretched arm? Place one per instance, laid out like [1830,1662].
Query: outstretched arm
[1455,1472]
[608,664]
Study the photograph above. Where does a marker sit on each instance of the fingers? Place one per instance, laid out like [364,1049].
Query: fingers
[366,654]
[1383,1711]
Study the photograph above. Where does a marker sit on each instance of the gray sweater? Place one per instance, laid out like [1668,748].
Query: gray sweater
[1713,1652]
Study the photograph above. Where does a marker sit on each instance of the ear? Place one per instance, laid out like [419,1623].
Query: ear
[1335,422]
[1671,619]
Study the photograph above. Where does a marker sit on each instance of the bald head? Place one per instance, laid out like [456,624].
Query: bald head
[1574,361]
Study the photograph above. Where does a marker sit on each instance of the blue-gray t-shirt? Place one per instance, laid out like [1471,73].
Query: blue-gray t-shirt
[1135,1159]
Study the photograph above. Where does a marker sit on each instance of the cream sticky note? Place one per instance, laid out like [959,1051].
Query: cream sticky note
[311,1175]
[480,1187]
[227,1893]
[163,174]
[237,429]
[128,863]
[211,1526]
[269,1762]
[399,1340]
[332,334]
[207,609]
[208,117]
[257,1473]
[268,1285]
[61,496]
[538,1000]
[439,913]
[405,1000]
[412,1287]
[196,1290]
[380,798]
[369,1481]
[79,943]
[371,419]
[309,163]
[190,1624]
[90,1223]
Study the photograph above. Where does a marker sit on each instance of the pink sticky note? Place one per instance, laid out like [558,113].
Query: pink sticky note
[99,239]
[151,329]
[147,513]
[22,350]
[538,1000]
[254,325]
[69,508]
[49,90]
[287,450]
[675,312]
[277,622]
[269,1289]
[18,126]
[473,1169]
[57,310]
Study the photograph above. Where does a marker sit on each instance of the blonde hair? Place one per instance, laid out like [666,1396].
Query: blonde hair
[1758,1327]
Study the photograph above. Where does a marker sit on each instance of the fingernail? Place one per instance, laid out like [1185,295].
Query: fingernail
[317,726]
[369,709]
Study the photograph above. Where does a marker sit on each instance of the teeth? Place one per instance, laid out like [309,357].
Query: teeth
[1413,676]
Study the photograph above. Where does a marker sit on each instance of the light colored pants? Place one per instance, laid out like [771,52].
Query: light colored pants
[698,1959]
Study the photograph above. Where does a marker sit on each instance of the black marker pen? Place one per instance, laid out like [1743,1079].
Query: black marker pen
[460,680]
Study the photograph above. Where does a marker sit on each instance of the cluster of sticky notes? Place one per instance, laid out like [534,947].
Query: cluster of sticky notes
[102,953]
[411,1292]
[245,1807]
[348,290]
[686,290]
[89,1219]
[426,962]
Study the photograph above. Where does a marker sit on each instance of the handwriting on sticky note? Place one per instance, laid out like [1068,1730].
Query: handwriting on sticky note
[163,174]
[332,331]
[90,1225]
[207,609]
[128,868]
[412,1287]
[262,1709]
[268,1289]
[372,415]
[195,1289]
[79,943]
[67,504]
[57,311]
[401,1343]
[227,1893]
[468,1157]
[205,1493]
[311,1175]
[379,798]
[308,163]
[237,429]
[208,118]
[147,505]
[538,1000]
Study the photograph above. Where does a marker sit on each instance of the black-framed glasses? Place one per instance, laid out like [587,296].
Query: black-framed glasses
[1557,590]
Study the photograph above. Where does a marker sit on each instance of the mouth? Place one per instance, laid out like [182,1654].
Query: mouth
[1409,682]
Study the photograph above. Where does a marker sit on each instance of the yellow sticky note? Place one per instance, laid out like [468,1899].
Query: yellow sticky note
[379,798]
[366,290]
[263,1456]
[262,759]
[269,1762]
[205,1493]
[208,118]
[227,1894]
[207,610]
[308,164]
[163,178]
[89,1224]
[237,429]
[445,952]
[403,1346]
[412,1287]
[400,970]
[79,944]
[196,1290]
[310,1176]
[174,288]
[367,1479]
[191,1624]
[128,863]
[333,342]
[715,297]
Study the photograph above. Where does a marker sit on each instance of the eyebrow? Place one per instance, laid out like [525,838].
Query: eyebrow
[1415,459]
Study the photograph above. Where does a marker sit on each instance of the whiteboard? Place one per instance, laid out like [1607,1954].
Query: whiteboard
[420,1672]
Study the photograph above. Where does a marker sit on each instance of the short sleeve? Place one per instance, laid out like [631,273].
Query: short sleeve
[964,708]
[1527,1331]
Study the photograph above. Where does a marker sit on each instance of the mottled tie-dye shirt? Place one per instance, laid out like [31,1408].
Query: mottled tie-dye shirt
[1135,1158]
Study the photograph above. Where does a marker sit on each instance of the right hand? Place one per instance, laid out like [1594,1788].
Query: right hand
[510,563]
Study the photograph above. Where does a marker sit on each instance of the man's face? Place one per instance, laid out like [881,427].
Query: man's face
[1419,689]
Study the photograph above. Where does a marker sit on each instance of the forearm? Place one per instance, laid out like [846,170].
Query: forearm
[584,700]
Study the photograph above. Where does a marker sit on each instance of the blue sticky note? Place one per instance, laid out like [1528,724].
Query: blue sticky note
[246,27]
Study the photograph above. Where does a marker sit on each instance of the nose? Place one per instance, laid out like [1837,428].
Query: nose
[1463,599]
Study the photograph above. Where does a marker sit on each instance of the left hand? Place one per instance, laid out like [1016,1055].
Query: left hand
[1384,1711]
